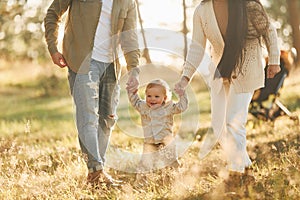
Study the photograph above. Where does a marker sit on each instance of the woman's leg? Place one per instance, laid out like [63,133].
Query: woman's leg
[233,137]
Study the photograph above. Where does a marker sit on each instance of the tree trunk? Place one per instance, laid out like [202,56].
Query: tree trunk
[184,29]
[294,19]
[145,53]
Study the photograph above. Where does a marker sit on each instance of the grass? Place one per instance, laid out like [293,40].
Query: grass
[41,159]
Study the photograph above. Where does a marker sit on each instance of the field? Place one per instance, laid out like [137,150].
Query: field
[40,155]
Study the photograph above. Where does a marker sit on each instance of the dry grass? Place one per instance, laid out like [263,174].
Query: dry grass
[40,157]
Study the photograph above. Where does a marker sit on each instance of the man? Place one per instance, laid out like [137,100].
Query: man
[94,30]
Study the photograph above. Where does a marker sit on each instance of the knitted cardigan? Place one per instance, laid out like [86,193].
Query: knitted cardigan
[206,29]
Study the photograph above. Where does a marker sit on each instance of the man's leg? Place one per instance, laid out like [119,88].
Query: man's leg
[79,119]
[85,91]
[108,100]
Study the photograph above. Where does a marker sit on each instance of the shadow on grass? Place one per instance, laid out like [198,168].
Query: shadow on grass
[46,98]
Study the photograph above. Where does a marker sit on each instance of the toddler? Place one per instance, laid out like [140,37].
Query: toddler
[156,113]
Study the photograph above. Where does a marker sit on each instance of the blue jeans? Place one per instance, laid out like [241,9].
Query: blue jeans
[96,96]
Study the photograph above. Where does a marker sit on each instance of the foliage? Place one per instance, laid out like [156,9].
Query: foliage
[278,11]
[22,34]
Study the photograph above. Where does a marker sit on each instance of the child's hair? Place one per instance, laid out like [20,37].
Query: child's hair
[161,83]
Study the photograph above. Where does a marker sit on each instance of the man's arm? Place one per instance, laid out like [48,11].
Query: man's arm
[130,47]
[129,38]
[51,22]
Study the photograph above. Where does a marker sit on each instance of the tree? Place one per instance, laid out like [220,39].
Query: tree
[145,53]
[286,15]
[21,29]
[294,19]
[184,28]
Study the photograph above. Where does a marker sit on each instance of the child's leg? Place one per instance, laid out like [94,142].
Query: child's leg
[146,164]
[169,152]
[148,157]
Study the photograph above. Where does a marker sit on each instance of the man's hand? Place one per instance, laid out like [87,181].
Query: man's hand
[181,85]
[132,84]
[59,60]
[272,70]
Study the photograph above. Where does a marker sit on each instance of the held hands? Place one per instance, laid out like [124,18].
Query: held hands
[59,60]
[133,81]
[272,70]
[181,86]
[179,91]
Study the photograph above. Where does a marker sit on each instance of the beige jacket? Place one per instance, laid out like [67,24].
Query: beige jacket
[158,122]
[205,28]
[80,28]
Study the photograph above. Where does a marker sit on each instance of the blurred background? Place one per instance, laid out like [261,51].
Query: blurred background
[22,31]
[40,156]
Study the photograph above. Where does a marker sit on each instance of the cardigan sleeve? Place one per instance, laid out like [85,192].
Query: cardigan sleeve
[273,47]
[197,46]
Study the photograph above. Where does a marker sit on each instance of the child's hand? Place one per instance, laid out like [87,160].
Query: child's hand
[129,90]
[179,90]
[181,85]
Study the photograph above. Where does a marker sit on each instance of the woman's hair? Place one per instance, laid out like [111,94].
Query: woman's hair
[240,13]
[160,83]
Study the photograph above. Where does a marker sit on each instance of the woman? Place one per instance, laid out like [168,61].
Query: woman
[236,31]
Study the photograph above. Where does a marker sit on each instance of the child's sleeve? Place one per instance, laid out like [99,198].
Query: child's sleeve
[181,105]
[135,101]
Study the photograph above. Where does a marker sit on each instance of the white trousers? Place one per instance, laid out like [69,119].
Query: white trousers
[229,117]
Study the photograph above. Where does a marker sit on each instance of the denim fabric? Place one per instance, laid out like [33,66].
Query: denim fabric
[96,97]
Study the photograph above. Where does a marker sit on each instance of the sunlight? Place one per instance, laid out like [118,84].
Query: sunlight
[167,16]
[33,3]
[155,16]
[41,157]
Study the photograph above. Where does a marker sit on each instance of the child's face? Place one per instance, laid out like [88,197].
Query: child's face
[155,96]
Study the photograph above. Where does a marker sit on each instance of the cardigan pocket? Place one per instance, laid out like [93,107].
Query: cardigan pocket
[250,57]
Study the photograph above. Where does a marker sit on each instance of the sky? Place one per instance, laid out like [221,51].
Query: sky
[168,15]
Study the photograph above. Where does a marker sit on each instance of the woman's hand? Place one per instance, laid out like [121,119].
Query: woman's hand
[181,85]
[272,70]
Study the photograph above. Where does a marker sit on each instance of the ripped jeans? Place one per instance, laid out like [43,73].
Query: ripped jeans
[96,97]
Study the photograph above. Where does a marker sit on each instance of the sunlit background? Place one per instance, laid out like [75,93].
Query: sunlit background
[40,157]
[22,31]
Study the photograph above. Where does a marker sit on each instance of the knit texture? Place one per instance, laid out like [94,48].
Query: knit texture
[205,28]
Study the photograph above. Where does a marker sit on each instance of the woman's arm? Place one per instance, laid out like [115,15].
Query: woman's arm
[197,46]
[273,52]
